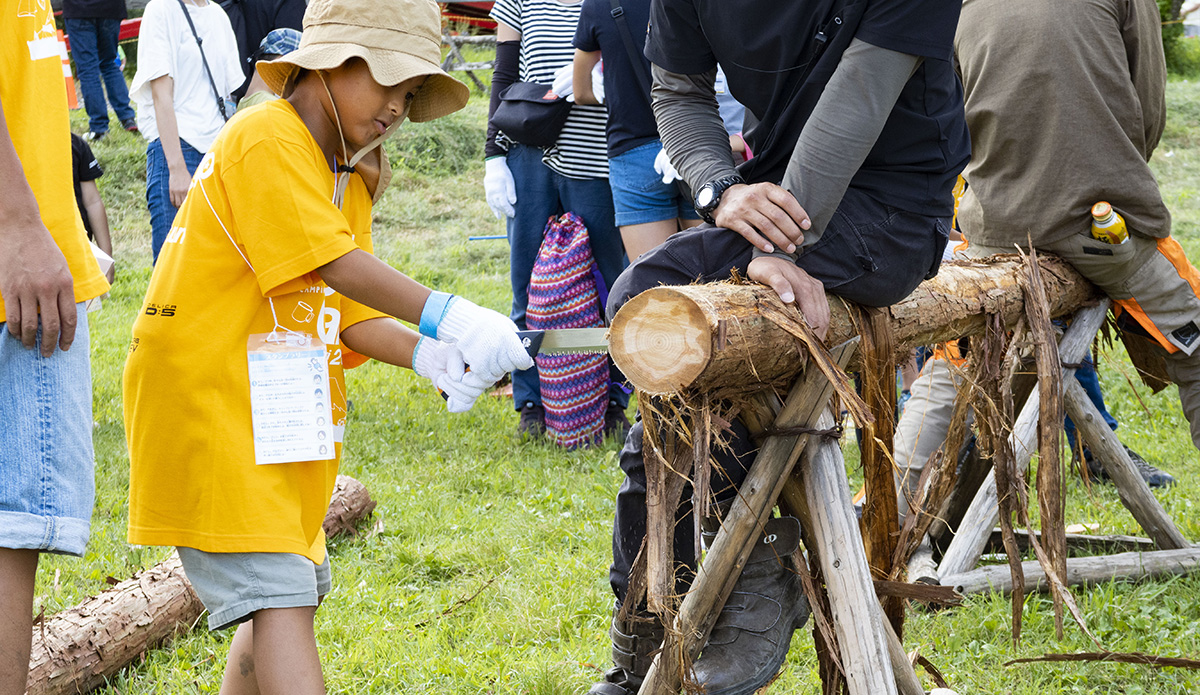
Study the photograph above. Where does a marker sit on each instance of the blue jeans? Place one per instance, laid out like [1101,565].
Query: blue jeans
[543,193]
[94,48]
[47,483]
[158,190]
[1090,381]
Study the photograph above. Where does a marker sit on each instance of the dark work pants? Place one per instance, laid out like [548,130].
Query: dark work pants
[870,253]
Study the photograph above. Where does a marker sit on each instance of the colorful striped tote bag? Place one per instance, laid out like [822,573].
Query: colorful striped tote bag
[566,290]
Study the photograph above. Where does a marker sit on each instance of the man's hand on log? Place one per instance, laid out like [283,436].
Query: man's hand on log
[767,215]
[793,284]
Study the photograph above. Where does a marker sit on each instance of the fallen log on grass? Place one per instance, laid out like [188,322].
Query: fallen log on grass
[719,338]
[1081,571]
[80,648]
[1077,542]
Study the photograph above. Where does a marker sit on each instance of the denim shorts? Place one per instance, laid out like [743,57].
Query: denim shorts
[47,483]
[232,586]
[639,195]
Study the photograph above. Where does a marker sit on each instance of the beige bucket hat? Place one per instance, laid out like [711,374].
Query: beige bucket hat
[398,39]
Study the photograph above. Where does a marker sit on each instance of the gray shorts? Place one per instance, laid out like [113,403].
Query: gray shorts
[232,586]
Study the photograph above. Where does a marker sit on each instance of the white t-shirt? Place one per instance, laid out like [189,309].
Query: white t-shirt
[166,47]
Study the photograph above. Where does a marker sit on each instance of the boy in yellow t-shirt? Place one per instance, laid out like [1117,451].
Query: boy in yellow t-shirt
[47,273]
[234,422]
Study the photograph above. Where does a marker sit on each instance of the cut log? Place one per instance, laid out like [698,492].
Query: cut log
[80,648]
[1081,571]
[921,567]
[984,511]
[715,337]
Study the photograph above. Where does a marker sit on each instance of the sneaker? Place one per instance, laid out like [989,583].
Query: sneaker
[616,425]
[533,421]
[1153,476]
[130,124]
[93,136]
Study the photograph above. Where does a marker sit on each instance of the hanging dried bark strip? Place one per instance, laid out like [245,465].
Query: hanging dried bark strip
[669,462]
[1050,479]
[880,513]
[994,418]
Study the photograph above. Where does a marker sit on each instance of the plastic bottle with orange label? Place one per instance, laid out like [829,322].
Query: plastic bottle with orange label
[1108,225]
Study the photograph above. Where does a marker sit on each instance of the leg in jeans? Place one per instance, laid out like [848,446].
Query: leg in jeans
[537,201]
[84,35]
[870,253]
[108,32]
[1090,381]
[158,193]
[592,200]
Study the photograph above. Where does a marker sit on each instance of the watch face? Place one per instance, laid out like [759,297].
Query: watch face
[705,198]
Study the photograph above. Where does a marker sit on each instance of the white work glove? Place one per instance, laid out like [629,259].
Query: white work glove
[442,363]
[499,188]
[662,164]
[598,81]
[564,82]
[487,339]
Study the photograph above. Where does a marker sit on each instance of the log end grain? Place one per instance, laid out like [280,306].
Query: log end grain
[661,340]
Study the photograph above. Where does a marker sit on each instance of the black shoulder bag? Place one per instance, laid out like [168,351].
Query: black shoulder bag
[211,82]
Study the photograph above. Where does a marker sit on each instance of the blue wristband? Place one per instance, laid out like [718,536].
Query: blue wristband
[433,312]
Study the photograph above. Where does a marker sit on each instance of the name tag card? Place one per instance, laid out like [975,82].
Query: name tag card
[289,398]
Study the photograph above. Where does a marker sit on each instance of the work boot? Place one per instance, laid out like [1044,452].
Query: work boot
[635,640]
[533,421]
[1153,476]
[616,425]
[752,634]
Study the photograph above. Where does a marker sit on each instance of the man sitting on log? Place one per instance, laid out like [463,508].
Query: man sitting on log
[1066,104]
[859,139]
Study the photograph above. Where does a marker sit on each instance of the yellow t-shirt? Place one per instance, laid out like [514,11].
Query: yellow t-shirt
[34,98]
[261,199]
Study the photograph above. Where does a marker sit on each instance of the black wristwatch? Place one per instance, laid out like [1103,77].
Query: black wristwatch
[709,195]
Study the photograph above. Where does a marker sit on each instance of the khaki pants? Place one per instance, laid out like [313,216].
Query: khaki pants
[1154,282]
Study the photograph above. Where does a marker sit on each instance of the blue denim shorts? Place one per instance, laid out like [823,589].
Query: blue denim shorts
[47,483]
[639,195]
[232,586]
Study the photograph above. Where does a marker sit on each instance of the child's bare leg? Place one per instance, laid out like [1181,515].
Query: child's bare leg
[283,655]
[239,669]
[17,571]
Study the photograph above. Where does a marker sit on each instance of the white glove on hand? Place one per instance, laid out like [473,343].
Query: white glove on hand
[564,82]
[662,164]
[487,339]
[598,81]
[443,364]
[499,188]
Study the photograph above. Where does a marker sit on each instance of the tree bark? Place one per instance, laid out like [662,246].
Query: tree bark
[717,338]
[80,648]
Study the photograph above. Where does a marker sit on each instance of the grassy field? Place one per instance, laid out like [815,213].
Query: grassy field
[466,507]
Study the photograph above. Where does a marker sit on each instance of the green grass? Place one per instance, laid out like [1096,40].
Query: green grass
[464,504]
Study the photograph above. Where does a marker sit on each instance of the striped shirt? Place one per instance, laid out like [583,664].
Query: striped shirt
[547,29]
